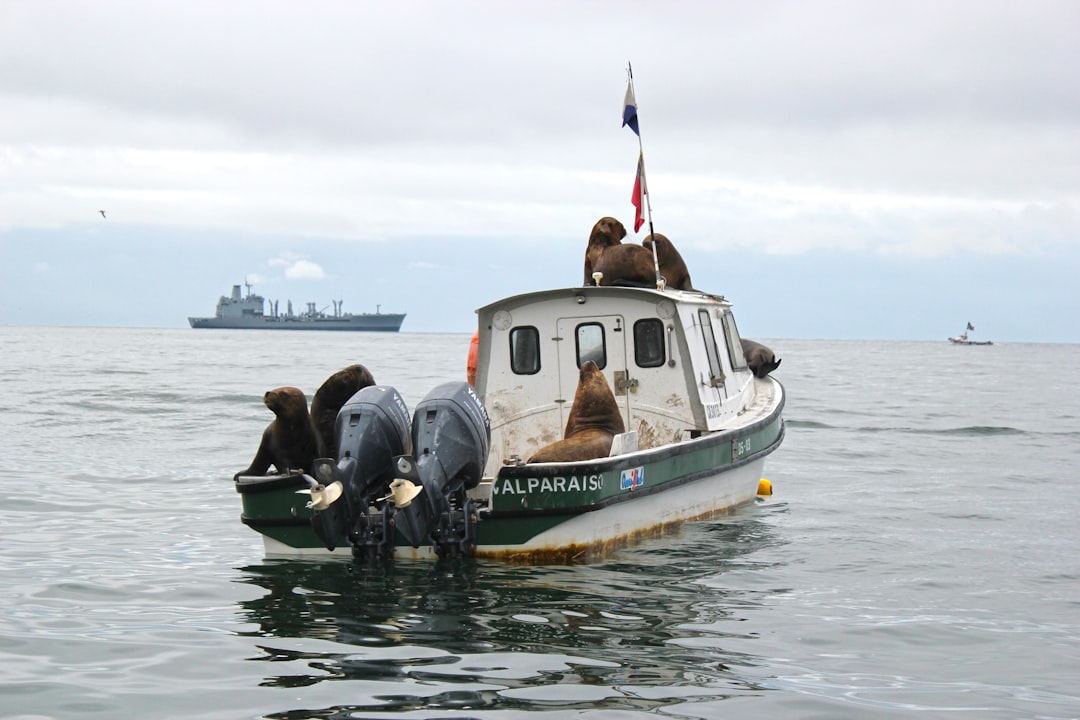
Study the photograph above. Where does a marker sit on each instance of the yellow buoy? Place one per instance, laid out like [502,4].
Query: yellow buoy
[764,487]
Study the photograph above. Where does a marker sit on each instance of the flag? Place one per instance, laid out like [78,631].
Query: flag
[970,326]
[638,196]
[629,113]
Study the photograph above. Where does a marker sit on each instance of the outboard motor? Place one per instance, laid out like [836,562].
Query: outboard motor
[372,428]
[451,434]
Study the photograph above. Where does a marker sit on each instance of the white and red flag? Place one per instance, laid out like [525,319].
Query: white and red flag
[641,189]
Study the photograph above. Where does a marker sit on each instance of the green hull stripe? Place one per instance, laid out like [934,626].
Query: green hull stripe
[639,492]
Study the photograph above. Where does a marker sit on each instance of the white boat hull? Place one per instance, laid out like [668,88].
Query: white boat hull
[601,530]
[626,522]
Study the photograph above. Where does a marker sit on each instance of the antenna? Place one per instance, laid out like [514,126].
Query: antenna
[641,187]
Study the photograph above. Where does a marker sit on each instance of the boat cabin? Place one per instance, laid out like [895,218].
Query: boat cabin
[673,359]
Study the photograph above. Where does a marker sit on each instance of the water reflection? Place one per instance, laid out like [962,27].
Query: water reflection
[626,633]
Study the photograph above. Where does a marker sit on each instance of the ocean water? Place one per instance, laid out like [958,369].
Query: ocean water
[920,556]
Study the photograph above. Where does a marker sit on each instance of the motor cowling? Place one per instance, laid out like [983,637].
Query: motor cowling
[451,435]
[372,428]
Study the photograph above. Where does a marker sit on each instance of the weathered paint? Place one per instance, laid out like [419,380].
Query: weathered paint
[578,552]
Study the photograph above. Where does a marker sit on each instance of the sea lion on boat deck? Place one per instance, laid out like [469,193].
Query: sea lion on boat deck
[761,359]
[594,421]
[289,441]
[605,233]
[329,399]
[672,267]
[626,264]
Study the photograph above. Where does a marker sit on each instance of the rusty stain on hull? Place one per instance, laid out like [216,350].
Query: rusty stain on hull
[585,552]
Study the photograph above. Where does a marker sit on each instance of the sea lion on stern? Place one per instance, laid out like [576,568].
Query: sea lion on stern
[605,233]
[594,421]
[672,267]
[329,399]
[761,359]
[289,441]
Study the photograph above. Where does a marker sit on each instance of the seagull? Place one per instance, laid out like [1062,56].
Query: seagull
[102,213]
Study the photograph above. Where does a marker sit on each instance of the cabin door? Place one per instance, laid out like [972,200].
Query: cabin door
[600,339]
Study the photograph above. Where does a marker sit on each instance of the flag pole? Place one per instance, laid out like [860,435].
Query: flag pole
[641,162]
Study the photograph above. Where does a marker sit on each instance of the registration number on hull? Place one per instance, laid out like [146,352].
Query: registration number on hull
[741,447]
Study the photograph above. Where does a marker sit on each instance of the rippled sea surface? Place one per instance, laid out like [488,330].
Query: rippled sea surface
[920,556]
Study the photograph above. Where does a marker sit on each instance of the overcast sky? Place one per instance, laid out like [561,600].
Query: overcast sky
[838,169]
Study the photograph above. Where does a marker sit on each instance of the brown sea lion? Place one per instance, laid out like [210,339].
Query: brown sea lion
[626,264]
[594,420]
[289,441]
[761,359]
[605,233]
[672,267]
[328,400]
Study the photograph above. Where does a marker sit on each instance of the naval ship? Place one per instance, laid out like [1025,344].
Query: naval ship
[246,313]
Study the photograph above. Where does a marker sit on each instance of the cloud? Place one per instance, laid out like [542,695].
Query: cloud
[304,270]
[899,129]
[297,267]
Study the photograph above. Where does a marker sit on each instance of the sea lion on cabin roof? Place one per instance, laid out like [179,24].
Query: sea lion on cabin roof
[672,267]
[289,441]
[594,421]
[626,264]
[328,400]
[630,264]
[605,233]
[761,359]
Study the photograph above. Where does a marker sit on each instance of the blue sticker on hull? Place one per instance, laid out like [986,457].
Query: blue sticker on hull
[632,478]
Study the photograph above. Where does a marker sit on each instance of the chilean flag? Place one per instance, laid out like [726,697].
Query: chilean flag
[629,113]
[640,191]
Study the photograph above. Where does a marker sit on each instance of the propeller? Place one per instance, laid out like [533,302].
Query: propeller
[403,492]
[322,496]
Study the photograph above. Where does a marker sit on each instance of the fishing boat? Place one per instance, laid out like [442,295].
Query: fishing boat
[453,478]
[962,338]
[590,416]
[247,312]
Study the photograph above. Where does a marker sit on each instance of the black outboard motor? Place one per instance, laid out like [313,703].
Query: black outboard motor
[451,434]
[371,429]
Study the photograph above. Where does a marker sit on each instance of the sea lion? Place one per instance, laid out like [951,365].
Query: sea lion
[672,267]
[626,264]
[289,441]
[761,359]
[328,400]
[605,233]
[594,421]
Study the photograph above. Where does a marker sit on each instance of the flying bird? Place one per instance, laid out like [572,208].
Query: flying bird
[102,213]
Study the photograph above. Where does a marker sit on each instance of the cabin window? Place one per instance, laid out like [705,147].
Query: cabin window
[734,344]
[525,350]
[590,344]
[649,343]
[716,372]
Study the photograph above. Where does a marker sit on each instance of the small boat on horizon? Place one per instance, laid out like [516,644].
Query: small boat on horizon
[236,312]
[962,338]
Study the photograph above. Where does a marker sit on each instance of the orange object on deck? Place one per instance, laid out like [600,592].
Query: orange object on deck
[474,351]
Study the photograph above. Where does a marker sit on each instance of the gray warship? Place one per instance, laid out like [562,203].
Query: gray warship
[246,313]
